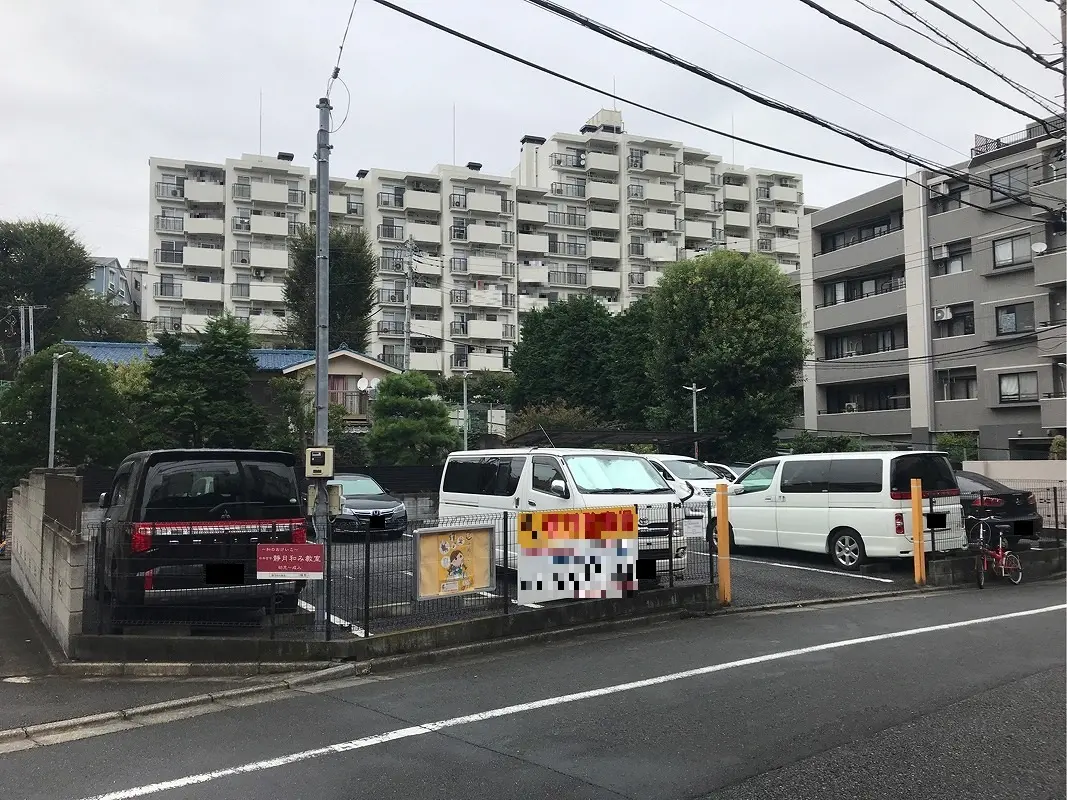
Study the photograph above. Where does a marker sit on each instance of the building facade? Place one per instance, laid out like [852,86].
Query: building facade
[930,316]
[599,212]
[122,284]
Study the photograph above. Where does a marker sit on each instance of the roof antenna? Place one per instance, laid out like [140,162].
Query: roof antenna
[550,443]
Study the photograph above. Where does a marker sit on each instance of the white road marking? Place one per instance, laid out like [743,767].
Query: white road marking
[516,602]
[522,708]
[797,566]
[409,573]
[344,623]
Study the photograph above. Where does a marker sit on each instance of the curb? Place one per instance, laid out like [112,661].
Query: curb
[184,669]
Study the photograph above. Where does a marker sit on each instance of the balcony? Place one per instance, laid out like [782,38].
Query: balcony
[892,422]
[604,279]
[427,362]
[205,226]
[569,160]
[202,257]
[568,189]
[507,300]
[697,173]
[648,279]
[532,274]
[393,265]
[207,192]
[784,244]
[170,191]
[567,220]
[635,191]
[426,296]
[485,361]
[390,233]
[701,202]
[596,190]
[355,404]
[269,226]
[267,324]
[531,212]
[783,219]
[169,324]
[167,290]
[1048,267]
[863,367]
[1053,410]
[458,361]
[698,229]
[458,233]
[485,234]
[457,329]
[602,162]
[533,243]
[661,193]
[484,329]
[603,220]
[490,297]
[785,194]
[660,222]
[390,327]
[661,251]
[485,202]
[567,278]
[576,249]
[354,208]
[635,221]
[296,228]
[424,232]
[204,291]
[390,200]
[636,249]
[422,201]
[298,197]
[485,265]
[886,302]
[240,291]
[1035,131]
[260,257]
[459,297]
[868,251]
[601,249]
[731,191]
[457,265]
[507,238]
[338,203]
[737,219]
[392,359]
[196,322]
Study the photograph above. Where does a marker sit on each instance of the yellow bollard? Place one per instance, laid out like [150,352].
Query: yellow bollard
[722,522]
[918,545]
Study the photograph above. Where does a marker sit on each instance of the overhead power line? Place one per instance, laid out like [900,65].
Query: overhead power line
[923,62]
[1021,47]
[866,141]
[816,81]
[1003,27]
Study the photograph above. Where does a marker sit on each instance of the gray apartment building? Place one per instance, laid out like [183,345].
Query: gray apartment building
[931,316]
[122,284]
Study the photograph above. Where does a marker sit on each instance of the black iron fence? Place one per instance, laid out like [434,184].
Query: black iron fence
[377,574]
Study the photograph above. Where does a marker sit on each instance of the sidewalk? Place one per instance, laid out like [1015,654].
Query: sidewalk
[22,650]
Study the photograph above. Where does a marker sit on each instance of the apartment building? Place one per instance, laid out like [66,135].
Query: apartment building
[122,284]
[933,316]
[602,212]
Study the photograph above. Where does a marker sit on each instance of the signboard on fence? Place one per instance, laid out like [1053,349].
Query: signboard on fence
[289,562]
[454,560]
[568,555]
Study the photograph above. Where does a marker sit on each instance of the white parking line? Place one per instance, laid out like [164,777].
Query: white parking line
[516,602]
[522,708]
[797,566]
[344,623]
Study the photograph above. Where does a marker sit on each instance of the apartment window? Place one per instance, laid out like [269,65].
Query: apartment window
[957,384]
[1018,387]
[1011,181]
[1013,319]
[949,201]
[858,344]
[957,320]
[1011,251]
[873,397]
[874,230]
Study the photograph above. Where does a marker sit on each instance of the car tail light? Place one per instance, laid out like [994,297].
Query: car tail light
[987,502]
[898,522]
[141,538]
[300,533]
[149,580]
[905,494]
[1031,500]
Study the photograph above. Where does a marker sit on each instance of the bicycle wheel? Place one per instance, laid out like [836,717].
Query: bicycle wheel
[1013,568]
[979,571]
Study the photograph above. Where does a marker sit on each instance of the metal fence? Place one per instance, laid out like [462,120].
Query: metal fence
[370,579]
[1051,497]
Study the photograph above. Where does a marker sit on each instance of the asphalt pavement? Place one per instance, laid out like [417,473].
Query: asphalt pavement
[947,694]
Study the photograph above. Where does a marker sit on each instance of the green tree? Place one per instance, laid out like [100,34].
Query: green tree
[808,442]
[483,387]
[553,416]
[199,395]
[88,317]
[563,355]
[1057,451]
[131,379]
[730,322]
[353,267]
[631,388]
[293,426]
[91,423]
[409,426]
[960,446]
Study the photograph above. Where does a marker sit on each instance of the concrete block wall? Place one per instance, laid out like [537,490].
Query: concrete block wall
[48,558]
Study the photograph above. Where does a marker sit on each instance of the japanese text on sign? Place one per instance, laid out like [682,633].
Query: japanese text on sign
[288,562]
[567,555]
[454,561]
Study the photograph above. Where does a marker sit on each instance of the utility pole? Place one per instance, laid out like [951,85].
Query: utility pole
[409,272]
[27,336]
[52,413]
[322,339]
[466,412]
[33,338]
[695,391]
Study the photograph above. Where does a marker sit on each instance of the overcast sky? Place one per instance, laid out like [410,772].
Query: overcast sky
[90,89]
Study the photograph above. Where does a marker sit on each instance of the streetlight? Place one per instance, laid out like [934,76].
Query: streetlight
[56,358]
[695,391]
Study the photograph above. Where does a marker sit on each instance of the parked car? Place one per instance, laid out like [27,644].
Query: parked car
[682,470]
[368,509]
[728,471]
[181,527]
[981,496]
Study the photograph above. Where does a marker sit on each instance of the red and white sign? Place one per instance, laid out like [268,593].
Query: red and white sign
[289,562]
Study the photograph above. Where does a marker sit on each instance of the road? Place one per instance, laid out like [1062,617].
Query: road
[948,694]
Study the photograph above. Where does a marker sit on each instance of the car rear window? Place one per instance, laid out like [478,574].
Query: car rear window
[934,470]
[209,489]
[492,475]
[972,483]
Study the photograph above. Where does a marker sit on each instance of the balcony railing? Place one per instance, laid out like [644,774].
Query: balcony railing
[168,256]
[172,224]
[507,300]
[765,245]
[391,327]
[763,193]
[395,296]
[355,404]
[240,257]
[167,290]
[390,200]
[392,359]
[637,248]
[568,189]
[507,206]
[763,219]
[507,237]
[568,278]
[392,232]
[167,323]
[457,265]
[507,268]
[863,352]
[863,236]
[562,218]
[508,331]
[983,145]
[170,191]
[354,208]
[883,286]
[636,279]
[635,220]
[458,361]
[459,297]
[296,228]
[635,191]
[241,224]
[297,197]
[242,191]
[239,290]
[390,264]
[458,233]
[457,201]
[636,162]
[457,328]
[567,248]
[568,160]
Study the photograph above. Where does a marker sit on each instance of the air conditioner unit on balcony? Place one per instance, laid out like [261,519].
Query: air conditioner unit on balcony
[396,297]
[175,193]
[943,314]
[851,408]
[175,326]
[939,252]
[259,273]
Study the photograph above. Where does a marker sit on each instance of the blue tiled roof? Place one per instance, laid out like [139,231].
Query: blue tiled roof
[267,360]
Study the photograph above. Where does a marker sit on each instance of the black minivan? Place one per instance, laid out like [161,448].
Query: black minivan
[180,527]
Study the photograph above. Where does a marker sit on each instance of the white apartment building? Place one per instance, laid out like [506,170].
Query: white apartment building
[600,212]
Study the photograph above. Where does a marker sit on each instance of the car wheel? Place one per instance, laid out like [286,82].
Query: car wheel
[713,538]
[847,550]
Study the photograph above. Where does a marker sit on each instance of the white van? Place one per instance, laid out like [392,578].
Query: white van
[681,470]
[506,481]
[853,506]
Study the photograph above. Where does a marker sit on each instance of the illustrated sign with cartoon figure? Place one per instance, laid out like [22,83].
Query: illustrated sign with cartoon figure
[569,555]
[454,561]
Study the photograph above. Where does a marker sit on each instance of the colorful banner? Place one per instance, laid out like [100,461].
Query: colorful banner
[569,555]
[454,561]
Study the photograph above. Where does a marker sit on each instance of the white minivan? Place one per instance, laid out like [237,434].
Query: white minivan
[853,506]
[506,481]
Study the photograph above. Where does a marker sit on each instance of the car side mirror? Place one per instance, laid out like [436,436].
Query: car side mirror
[735,488]
[105,498]
[559,488]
